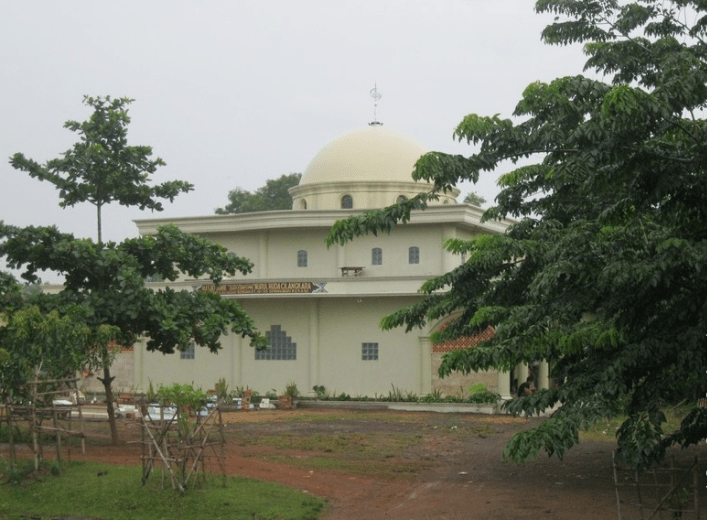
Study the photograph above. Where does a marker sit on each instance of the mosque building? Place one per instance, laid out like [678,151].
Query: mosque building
[321,307]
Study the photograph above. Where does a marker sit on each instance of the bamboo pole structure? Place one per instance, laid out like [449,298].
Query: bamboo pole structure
[181,451]
[42,407]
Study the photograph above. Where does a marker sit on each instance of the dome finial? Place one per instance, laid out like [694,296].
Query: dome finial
[376,96]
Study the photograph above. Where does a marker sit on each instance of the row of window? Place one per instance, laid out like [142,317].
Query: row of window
[283,348]
[347,202]
[376,256]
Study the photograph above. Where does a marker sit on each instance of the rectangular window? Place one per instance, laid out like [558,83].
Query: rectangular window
[377,256]
[301,258]
[187,353]
[369,351]
[414,255]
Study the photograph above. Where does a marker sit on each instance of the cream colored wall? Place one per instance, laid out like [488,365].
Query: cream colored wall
[203,371]
[344,326]
[245,245]
[263,375]
[365,195]
[274,253]
[329,333]
[428,239]
[283,248]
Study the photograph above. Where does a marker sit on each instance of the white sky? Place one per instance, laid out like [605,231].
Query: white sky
[232,93]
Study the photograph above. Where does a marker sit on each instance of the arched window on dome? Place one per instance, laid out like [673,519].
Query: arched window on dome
[347,202]
[377,256]
[303,204]
[401,198]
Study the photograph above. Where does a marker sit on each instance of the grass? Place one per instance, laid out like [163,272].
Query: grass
[353,416]
[112,492]
[605,429]
[387,469]
[368,454]
[390,455]
[337,443]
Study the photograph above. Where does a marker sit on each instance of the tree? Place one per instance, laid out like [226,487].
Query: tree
[52,345]
[474,198]
[109,282]
[603,273]
[10,296]
[101,168]
[273,196]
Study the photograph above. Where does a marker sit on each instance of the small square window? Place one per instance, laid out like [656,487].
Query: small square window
[187,353]
[369,351]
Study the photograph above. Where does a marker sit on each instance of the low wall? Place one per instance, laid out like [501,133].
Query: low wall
[487,409]
[456,383]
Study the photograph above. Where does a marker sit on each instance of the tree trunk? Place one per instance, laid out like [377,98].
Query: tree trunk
[107,381]
[100,222]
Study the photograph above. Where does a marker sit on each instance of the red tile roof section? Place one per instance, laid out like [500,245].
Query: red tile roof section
[463,341]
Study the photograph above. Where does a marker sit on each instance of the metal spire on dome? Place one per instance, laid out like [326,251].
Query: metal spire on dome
[376,96]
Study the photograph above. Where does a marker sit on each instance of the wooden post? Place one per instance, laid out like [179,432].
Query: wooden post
[10,433]
[696,490]
[33,426]
[616,484]
[55,423]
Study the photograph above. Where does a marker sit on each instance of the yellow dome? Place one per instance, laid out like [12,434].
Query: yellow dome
[367,154]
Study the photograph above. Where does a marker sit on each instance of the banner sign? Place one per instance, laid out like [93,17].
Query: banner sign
[265,288]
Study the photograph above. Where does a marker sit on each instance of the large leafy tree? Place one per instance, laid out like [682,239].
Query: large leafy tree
[603,272]
[273,196]
[108,278]
[108,281]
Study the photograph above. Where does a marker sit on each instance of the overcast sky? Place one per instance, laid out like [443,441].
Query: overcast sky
[232,93]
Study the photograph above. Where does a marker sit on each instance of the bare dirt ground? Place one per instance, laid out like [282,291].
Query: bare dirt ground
[457,459]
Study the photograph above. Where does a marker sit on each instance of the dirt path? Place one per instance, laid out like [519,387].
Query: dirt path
[464,478]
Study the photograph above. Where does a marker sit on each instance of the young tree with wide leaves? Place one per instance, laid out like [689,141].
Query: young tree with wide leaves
[102,168]
[109,278]
[603,274]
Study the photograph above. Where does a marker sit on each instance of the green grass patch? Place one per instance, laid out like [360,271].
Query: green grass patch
[336,443]
[605,429]
[118,494]
[602,431]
